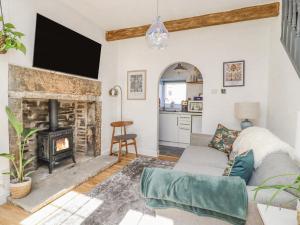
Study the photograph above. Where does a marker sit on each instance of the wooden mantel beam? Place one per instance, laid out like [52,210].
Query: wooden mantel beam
[233,16]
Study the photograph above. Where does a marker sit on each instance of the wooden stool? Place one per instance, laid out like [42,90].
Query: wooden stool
[122,139]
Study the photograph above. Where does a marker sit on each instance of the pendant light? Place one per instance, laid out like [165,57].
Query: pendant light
[157,35]
[179,68]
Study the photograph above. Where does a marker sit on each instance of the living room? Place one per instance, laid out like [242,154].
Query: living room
[208,35]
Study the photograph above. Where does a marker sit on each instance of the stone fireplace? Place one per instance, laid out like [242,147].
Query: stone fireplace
[78,112]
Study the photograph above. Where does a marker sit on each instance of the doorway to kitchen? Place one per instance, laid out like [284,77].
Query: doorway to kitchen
[180,107]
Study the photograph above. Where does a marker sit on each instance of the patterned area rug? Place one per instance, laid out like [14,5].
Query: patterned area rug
[120,194]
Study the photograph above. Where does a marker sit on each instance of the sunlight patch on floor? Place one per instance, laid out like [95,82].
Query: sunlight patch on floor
[72,208]
[134,217]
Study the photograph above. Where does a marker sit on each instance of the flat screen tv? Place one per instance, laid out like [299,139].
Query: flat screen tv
[61,49]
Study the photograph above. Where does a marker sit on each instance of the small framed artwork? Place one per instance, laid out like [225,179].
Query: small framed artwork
[136,85]
[234,74]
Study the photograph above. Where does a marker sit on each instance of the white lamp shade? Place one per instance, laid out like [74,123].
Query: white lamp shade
[247,110]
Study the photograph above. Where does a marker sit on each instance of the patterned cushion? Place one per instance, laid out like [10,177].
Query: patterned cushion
[242,165]
[223,139]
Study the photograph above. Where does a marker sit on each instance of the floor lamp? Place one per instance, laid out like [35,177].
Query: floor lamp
[115,91]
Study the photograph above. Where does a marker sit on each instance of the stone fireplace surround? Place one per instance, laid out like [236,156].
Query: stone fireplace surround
[79,106]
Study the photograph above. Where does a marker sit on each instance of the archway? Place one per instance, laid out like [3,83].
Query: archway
[180,107]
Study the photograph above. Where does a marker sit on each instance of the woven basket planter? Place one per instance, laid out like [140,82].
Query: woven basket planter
[2,41]
[20,190]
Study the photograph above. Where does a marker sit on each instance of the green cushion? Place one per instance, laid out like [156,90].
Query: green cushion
[223,139]
[242,166]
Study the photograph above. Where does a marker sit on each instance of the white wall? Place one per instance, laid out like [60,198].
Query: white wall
[284,90]
[23,15]
[207,49]
[193,90]
[4,143]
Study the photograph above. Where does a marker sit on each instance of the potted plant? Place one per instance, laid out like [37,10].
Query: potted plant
[293,188]
[10,38]
[20,184]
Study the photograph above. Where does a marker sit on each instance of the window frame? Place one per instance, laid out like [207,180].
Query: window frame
[176,106]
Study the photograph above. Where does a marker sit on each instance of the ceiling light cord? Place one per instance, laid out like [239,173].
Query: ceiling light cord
[157,13]
[2,14]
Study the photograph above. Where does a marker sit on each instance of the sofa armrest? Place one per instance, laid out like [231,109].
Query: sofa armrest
[282,200]
[200,139]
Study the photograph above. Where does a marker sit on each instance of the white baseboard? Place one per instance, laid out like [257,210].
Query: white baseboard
[3,198]
[4,187]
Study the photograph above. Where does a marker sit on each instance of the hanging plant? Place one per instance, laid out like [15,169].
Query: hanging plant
[10,38]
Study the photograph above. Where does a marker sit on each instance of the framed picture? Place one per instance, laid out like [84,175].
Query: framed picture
[136,85]
[234,74]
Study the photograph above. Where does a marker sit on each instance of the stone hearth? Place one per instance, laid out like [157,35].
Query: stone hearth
[79,107]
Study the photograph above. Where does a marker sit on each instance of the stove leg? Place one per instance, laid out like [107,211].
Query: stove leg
[73,158]
[50,167]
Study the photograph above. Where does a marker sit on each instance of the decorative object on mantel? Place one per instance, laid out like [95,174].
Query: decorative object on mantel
[157,35]
[20,185]
[234,74]
[9,37]
[247,111]
[114,92]
[136,85]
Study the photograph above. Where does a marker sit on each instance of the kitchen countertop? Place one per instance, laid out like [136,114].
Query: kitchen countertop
[184,113]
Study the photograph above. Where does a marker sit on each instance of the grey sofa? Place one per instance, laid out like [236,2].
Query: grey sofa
[201,159]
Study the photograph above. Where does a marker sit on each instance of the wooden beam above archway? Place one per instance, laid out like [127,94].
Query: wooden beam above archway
[233,16]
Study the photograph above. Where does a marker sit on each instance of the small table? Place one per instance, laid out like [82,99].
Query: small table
[277,216]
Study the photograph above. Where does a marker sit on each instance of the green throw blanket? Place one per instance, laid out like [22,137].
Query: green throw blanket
[223,198]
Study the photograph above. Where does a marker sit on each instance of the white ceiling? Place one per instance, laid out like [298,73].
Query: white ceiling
[115,14]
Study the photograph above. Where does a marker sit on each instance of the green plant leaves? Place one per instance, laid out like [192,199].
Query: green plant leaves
[7,156]
[28,132]
[22,48]
[295,185]
[10,174]
[27,161]
[9,26]
[11,37]
[14,122]
[18,34]
[27,174]
[19,163]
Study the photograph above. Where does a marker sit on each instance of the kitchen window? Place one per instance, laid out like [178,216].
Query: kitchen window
[174,92]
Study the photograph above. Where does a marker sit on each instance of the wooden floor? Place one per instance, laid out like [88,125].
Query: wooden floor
[13,215]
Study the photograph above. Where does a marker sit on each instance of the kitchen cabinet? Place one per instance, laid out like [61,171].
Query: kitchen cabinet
[184,129]
[196,124]
[168,127]
[175,127]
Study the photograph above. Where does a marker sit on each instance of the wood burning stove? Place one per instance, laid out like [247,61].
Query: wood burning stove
[56,143]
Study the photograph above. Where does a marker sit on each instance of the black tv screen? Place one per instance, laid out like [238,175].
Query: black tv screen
[61,49]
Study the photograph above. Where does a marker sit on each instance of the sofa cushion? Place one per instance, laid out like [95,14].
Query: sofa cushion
[203,156]
[200,139]
[202,160]
[199,169]
[275,164]
[241,166]
[223,139]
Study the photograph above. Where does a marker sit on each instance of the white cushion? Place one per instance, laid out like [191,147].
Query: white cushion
[261,141]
